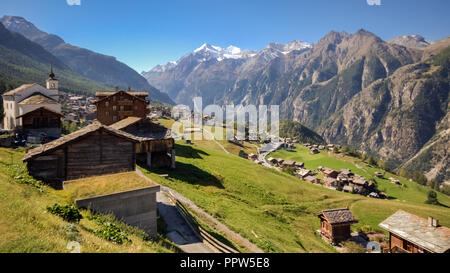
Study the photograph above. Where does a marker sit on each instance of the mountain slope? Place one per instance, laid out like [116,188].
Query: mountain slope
[397,116]
[89,64]
[385,97]
[23,61]
[412,41]
[211,71]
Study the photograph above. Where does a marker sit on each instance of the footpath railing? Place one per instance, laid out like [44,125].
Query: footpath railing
[207,238]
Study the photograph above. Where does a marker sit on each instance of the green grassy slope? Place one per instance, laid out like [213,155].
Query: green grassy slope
[411,192]
[26,226]
[272,209]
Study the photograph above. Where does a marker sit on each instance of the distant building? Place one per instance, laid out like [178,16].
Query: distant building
[115,106]
[335,224]
[409,233]
[327,172]
[21,104]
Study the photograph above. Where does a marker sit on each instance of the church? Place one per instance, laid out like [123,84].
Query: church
[34,110]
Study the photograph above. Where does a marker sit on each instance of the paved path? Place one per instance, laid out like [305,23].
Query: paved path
[233,236]
[265,151]
[178,231]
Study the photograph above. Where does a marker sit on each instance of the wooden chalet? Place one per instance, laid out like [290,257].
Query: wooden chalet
[272,160]
[312,179]
[330,182]
[42,120]
[409,233]
[335,224]
[299,165]
[94,150]
[303,173]
[327,172]
[156,147]
[115,106]
[286,164]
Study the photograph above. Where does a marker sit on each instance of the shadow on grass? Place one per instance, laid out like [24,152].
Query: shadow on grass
[188,173]
[188,151]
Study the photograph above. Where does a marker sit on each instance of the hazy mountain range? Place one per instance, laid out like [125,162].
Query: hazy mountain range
[389,98]
[83,62]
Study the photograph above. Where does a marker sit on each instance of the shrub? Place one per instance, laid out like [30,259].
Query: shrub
[69,213]
[289,170]
[113,233]
[432,198]
[352,247]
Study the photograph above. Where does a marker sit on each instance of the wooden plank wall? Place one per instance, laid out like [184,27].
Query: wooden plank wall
[98,154]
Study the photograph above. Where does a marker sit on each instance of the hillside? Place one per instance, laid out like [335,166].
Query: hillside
[99,68]
[294,130]
[27,227]
[277,211]
[387,98]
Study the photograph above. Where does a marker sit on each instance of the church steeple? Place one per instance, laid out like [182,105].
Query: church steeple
[51,75]
[52,82]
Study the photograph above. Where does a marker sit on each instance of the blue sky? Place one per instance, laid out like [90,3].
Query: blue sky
[143,33]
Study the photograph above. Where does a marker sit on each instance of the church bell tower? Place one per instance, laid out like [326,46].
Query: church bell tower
[52,83]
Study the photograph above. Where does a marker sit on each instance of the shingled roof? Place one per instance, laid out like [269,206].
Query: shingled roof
[125,123]
[338,216]
[109,93]
[38,98]
[56,144]
[418,231]
[19,89]
[39,109]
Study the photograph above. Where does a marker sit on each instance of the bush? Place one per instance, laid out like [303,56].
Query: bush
[352,247]
[432,198]
[113,233]
[69,213]
[289,170]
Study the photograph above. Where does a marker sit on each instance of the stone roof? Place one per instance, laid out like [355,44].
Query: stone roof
[54,145]
[41,108]
[288,163]
[328,171]
[38,98]
[19,89]
[109,93]
[125,123]
[418,231]
[338,216]
[329,180]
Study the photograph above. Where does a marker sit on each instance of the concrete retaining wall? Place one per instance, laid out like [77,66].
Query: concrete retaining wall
[136,208]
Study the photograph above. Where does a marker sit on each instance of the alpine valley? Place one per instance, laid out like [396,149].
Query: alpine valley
[387,98]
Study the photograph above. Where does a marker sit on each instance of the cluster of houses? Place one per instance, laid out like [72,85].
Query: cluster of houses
[408,233]
[78,107]
[315,149]
[121,134]
[341,180]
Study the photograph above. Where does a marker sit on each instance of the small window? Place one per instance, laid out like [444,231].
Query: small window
[107,113]
[114,108]
[121,108]
[107,103]
[114,118]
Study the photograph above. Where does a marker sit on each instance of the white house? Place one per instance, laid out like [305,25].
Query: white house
[27,98]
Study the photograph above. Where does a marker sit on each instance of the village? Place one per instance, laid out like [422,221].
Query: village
[121,130]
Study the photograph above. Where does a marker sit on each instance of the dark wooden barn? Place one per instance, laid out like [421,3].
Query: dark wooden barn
[156,147]
[335,224]
[91,151]
[115,106]
[42,120]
